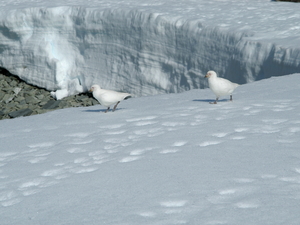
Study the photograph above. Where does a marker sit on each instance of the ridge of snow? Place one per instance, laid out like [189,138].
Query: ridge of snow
[146,49]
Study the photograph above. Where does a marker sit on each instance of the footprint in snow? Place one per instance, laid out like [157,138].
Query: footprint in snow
[233,196]
[42,145]
[78,135]
[220,135]
[129,159]
[75,150]
[167,151]
[179,143]
[247,204]
[171,207]
[208,143]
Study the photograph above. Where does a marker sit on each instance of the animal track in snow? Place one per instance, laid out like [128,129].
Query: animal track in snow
[141,119]
[241,129]
[37,160]
[82,142]
[297,170]
[83,169]
[268,176]
[112,126]
[129,159]
[173,207]
[76,150]
[230,195]
[284,106]
[267,130]
[274,121]
[179,143]
[291,179]
[244,180]
[167,151]
[227,192]
[147,214]
[173,124]
[145,123]
[247,205]
[9,198]
[238,138]
[219,135]
[42,145]
[140,151]
[52,173]
[115,132]
[294,129]
[81,160]
[208,143]
[78,135]
[172,203]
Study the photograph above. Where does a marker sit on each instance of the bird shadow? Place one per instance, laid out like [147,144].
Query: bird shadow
[210,100]
[100,110]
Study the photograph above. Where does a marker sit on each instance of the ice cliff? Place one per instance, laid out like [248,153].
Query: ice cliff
[142,49]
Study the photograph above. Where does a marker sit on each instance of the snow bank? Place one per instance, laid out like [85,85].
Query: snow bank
[147,50]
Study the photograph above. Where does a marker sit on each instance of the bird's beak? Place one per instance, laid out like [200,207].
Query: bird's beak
[91,90]
[206,76]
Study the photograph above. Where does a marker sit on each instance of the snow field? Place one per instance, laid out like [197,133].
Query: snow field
[165,159]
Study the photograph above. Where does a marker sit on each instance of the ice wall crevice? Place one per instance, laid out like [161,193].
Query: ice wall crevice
[67,49]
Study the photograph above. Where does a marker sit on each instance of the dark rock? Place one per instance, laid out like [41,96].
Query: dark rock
[30,99]
[18,98]
[82,98]
[13,83]
[52,104]
[11,105]
[7,98]
[1,95]
[40,96]
[95,102]
[22,112]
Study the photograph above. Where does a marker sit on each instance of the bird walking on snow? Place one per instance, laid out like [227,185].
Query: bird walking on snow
[220,86]
[108,97]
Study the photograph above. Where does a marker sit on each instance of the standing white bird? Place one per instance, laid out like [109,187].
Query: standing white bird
[220,86]
[108,97]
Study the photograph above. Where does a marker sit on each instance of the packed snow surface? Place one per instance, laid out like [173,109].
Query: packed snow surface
[159,160]
[146,47]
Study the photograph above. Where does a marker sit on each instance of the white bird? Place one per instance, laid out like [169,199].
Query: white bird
[220,86]
[108,97]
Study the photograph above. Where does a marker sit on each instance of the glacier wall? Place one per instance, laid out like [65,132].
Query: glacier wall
[67,49]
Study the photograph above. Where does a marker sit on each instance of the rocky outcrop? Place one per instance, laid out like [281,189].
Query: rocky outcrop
[20,99]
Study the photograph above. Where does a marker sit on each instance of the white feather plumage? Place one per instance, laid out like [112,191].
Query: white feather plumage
[108,97]
[220,86]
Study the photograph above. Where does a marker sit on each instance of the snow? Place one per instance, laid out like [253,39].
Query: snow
[163,159]
[146,48]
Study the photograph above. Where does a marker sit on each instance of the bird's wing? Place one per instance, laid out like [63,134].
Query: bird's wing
[225,86]
[113,96]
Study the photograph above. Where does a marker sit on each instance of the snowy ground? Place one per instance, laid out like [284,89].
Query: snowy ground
[165,159]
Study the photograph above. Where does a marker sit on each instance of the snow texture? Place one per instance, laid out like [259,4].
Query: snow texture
[159,160]
[146,48]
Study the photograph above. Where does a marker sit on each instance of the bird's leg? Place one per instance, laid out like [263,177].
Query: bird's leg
[215,102]
[116,106]
[107,110]
[230,97]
